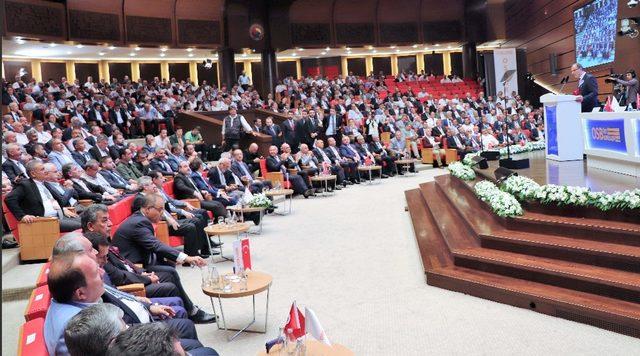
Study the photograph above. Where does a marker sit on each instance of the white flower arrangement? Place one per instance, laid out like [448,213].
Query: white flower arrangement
[528,147]
[259,201]
[523,188]
[459,170]
[468,159]
[502,203]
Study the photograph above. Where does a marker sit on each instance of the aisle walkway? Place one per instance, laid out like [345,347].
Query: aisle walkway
[353,259]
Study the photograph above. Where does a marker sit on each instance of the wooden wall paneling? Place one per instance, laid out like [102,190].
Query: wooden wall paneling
[148,71]
[179,71]
[286,69]
[84,70]
[95,21]
[357,66]
[150,22]
[382,64]
[33,18]
[399,22]
[355,22]
[12,68]
[119,70]
[435,10]
[53,70]
[199,22]
[210,75]
[311,22]
[256,76]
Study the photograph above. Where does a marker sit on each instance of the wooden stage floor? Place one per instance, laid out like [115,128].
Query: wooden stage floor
[575,173]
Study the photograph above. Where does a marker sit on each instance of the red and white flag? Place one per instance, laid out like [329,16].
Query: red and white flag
[294,328]
[313,327]
[607,105]
[241,255]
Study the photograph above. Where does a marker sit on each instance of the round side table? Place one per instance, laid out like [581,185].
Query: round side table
[324,180]
[370,169]
[222,229]
[247,209]
[257,282]
[288,196]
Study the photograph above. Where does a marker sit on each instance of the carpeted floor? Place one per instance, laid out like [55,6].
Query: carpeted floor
[353,259]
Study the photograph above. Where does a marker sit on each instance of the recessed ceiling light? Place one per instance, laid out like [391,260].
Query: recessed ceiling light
[163,49]
[374,51]
[244,55]
[348,49]
[79,46]
[52,44]
[448,47]
[190,54]
[392,47]
[68,52]
[348,52]
[294,54]
[20,41]
[132,54]
[111,48]
[101,53]
[323,53]
[189,49]
[137,48]
[415,46]
[162,54]
[437,44]
[397,51]
[327,49]
[300,49]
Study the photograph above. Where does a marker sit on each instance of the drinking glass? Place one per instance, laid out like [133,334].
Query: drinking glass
[227,283]
[220,220]
[206,282]
[214,277]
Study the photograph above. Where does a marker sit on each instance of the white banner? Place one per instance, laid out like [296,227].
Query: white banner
[506,69]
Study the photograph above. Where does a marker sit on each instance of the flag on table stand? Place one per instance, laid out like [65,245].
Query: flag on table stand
[294,328]
[313,327]
[367,161]
[615,105]
[241,255]
[607,105]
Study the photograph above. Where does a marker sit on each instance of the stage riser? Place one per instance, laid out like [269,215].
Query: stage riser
[596,258]
[546,277]
[613,323]
[578,232]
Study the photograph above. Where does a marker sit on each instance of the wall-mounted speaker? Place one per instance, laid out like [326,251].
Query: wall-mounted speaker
[553,63]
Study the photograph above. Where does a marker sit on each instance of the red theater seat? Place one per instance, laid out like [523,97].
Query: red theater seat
[38,303]
[44,273]
[31,342]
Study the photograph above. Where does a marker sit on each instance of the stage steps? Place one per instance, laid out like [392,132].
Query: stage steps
[588,279]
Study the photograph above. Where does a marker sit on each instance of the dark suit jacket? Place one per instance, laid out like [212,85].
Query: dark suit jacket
[62,199]
[112,181]
[214,178]
[182,188]
[25,199]
[95,153]
[156,165]
[94,194]
[274,131]
[331,155]
[120,275]
[289,134]
[273,165]
[451,143]
[11,169]
[137,242]
[589,92]
[79,158]
[129,316]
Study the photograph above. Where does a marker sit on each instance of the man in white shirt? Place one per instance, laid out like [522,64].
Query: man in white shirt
[244,81]
[232,127]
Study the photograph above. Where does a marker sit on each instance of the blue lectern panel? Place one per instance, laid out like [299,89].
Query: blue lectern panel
[606,135]
[552,130]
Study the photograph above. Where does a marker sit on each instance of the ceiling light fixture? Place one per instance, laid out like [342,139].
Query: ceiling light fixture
[68,52]
[392,47]
[162,54]
[294,54]
[300,49]
[437,44]
[137,48]
[111,48]
[397,51]
[163,49]
[79,46]
[327,49]
[190,54]
[348,49]
[415,46]
[244,55]
[132,54]
[323,53]
[189,49]
[52,44]
[101,53]
[20,41]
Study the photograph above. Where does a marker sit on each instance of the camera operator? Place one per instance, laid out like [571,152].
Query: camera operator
[632,85]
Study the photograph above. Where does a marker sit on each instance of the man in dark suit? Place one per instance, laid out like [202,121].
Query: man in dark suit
[13,166]
[288,130]
[86,189]
[63,193]
[272,130]
[380,152]
[160,163]
[101,148]
[136,240]
[276,164]
[455,142]
[162,282]
[30,199]
[350,167]
[242,170]
[336,169]
[587,88]
[185,188]
[113,177]
[79,154]
[364,151]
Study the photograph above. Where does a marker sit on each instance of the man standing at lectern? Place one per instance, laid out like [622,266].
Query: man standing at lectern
[587,88]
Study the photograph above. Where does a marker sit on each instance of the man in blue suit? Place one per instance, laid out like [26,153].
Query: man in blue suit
[587,87]
[111,175]
[242,170]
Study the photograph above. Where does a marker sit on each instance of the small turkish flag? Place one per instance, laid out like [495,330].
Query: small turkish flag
[246,254]
[607,105]
[295,326]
